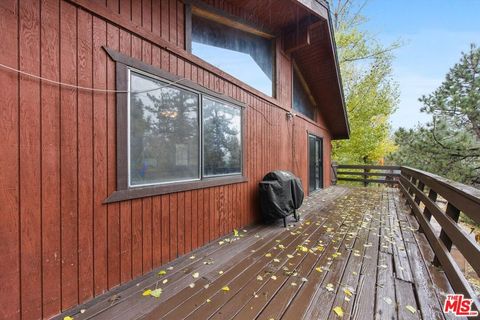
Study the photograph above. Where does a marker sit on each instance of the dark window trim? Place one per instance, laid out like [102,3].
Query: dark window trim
[124,192]
[236,21]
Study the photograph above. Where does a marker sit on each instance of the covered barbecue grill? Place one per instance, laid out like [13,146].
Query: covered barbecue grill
[281,194]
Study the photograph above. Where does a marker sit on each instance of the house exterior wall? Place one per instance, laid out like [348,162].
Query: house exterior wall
[59,244]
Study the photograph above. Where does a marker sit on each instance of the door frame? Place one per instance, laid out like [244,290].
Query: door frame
[316,136]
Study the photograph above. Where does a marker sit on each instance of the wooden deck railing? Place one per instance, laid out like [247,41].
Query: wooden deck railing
[421,190]
[366,173]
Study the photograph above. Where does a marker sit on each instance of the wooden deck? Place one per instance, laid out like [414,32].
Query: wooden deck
[356,251]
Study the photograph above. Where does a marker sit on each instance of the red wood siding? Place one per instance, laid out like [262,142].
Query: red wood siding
[59,245]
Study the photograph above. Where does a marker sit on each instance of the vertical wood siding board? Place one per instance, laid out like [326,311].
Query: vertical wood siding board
[194,236]
[51,290]
[126,213]
[137,240]
[156,18]
[136,12]
[30,153]
[69,160]
[165,229]
[125,9]
[181,224]
[156,232]
[180,24]
[85,160]
[126,241]
[147,15]
[100,157]
[147,234]
[173,225]
[188,221]
[172,17]
[206,214]
[113,218]
[9,182]
[200,217]
[114,5]
[165,31]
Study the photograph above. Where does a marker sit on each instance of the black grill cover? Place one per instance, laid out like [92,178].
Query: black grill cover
[281,193]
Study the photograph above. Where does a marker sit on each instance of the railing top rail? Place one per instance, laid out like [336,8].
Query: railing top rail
[467,191]
[373,167]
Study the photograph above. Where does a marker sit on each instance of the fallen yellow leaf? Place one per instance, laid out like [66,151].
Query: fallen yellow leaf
[67,318]
[146,292]
[195,275]
[162,272]
[235,232]
[347,292]
[411,309]
[338,311]
[225,288]
[268,255]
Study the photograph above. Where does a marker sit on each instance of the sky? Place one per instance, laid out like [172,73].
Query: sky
[433,33]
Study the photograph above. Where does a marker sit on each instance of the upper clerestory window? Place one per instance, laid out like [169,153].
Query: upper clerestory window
[243,54]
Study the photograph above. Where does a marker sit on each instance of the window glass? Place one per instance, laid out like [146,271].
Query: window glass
[301,100]
[245,56]
[164,132]
[222,138]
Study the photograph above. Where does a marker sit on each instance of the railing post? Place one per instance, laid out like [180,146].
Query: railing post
[334,173]
[365,177]
[432,195]
[453,213]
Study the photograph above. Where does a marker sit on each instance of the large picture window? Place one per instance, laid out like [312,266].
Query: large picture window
[244,55]
[164,132]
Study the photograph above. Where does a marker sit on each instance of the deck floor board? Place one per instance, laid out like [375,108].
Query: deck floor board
[356,252]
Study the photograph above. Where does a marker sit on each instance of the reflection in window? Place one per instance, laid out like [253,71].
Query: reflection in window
[164,133]
[302,102]
[222,138]
[245,56]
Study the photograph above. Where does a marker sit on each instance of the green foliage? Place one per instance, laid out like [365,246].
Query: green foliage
[370,93]
[450,144]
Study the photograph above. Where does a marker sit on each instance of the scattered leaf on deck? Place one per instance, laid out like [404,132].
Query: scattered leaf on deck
[162,272]
[170,268]
[259,278]
[294,284]
[411,309]
[221,242]
[220,272]
[268,255]
[276,260]
[338,311]
[208,300]
[192,285]
[192,257]
[273,277]
[67,318]
[146,293]
[165,281]
[347,292]
[235,232]
[156,293]
[195,275]
[289,256]
[225,288]
[319,269]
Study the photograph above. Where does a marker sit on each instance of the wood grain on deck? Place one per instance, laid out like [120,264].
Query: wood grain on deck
[356,250]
